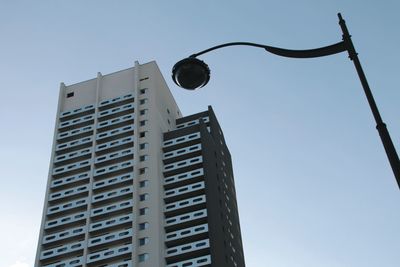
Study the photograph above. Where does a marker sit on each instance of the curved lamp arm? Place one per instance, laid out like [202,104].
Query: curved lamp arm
[192,73]
[309,53]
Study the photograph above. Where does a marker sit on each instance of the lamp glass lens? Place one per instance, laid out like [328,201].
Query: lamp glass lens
[191,73]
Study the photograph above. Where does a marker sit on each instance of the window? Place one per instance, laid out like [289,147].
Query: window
[142,134]
[144,197]
[143,157]
[70,94]
[143,123]
[143,111]
[142,170]
[168,121]
[143,91]
[143,146]
[143,241]
[143,257]
[143,101]
[144,183]
[168,111]
[143,226]
[143,211]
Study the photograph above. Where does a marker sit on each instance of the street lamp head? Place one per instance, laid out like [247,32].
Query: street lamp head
[191,73]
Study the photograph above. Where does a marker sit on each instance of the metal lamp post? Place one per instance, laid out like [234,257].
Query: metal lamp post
[192,73]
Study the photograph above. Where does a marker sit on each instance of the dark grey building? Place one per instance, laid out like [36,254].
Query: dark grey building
[201,215]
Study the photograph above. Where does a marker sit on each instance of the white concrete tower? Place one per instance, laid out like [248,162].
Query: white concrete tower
[104,204]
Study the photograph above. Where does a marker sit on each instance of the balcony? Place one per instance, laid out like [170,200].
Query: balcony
[112,169]
[191,123]
[115,133]
[186,235]
[110,237]
[184,178]
[109,253]
[73,156]
[182,140]
[67,206]
[64,194]
[69,219]
[114,156]
[78,178]
[112,222]
[186,220]
[117,111]
[118,101]
[196,262]
[64,235]
[76,123]
[190,250]
[71,262]
[73,167]
[71,114]
[172,168]
[64,249]
[107,210]
[189,190]
[115,122]
[74,134]
[113,194]
[74,145]
[119,263]
[114,144]
[113,181]
[185,205]
[182,153]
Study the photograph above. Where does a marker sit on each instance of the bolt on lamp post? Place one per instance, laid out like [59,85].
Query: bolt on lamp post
[192,73]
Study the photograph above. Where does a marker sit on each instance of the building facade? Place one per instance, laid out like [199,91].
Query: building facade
[133,183]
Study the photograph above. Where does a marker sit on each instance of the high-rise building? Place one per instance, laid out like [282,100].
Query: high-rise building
[133,183]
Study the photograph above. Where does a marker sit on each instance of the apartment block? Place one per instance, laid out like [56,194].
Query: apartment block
[134,183]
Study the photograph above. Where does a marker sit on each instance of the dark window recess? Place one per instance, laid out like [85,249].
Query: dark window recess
[143,211]
[143,183]
[143,197]
[143,146]
[70,94]
[143,79]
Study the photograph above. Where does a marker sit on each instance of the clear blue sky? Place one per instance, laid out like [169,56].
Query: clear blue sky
[313,182]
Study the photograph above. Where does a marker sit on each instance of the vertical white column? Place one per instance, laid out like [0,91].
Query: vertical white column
[92,167]
[61,97]
[135,191]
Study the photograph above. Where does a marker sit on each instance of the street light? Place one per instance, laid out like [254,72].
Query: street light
[192,73]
